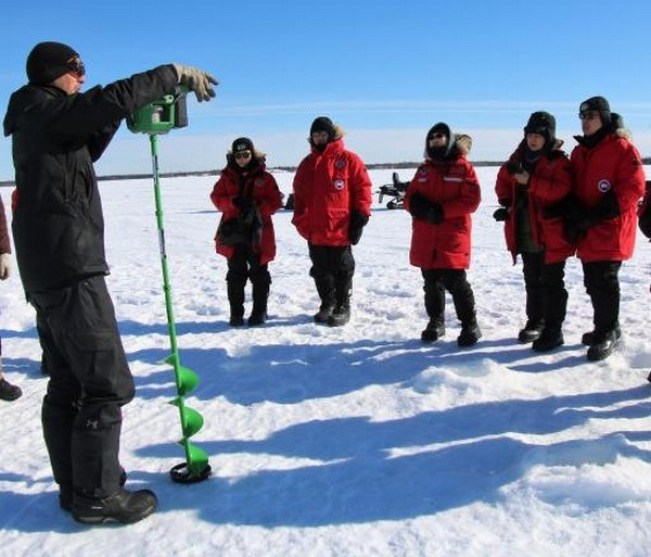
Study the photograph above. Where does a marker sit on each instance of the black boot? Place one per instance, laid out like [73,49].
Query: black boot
[531,331]
[236,302]
[341,313]
[434,330]
[588,338]
[603,345]
[550,338]
[260,296]
[8,391]
[125,507]
[325,286]
[66,492]
[470,334]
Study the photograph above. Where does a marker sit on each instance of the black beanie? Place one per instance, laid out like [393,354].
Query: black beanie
[323,124]
[439,128]
[600,104]
[47,61]
[242,144]
[544,124]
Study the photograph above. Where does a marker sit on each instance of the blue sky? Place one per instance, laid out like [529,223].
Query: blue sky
[386,71]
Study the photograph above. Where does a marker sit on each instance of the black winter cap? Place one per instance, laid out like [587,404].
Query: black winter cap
[242,144]
[601,105]
[47,61]
[544,124]
[323,124]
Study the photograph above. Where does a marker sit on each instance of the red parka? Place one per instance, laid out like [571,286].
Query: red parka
[328,186]
[452,183]
[262,187]
[613,164]
[550,182]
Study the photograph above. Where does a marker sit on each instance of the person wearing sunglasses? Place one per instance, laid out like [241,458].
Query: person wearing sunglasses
[332,205]
[536,176]
[247,195]
[58,131]
[440,198]
[607,183]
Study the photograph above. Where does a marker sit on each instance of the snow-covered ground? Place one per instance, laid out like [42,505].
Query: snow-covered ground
[346,441]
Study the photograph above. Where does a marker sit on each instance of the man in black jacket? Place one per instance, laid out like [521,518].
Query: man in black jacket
[58,133]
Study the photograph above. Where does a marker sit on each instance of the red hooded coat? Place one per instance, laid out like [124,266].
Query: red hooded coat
[452,183]
[328,186]
[614,163]
[262,187]
[550,182]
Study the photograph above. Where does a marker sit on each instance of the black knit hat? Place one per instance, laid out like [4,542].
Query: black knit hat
[600,104]
[242,144]
[323,124]
[47,61]
[441,127]
[544,124]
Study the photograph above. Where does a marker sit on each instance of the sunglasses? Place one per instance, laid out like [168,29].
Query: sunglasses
[242,155]
[436,136]
[588,114]
[76,67]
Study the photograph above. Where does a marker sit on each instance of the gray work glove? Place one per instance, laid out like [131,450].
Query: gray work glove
[196,80]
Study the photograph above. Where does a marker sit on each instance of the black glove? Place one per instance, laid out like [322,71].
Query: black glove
[607,208]
[575,230]
[501,214]
[568,208]
[357,223]
[243,202]
[424,209]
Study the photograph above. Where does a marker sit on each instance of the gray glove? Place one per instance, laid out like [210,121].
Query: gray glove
[196,80]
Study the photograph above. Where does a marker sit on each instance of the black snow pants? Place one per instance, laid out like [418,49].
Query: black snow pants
[89,382]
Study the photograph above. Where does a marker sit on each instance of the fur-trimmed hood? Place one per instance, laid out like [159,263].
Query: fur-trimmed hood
[339,134]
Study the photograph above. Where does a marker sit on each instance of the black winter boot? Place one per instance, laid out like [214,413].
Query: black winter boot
[550,338]
[236,301]
[8,391]
[470,334]
[325,286]
[434,330]
[588,338]
[340,315]
[531,331]
[260,296]
[603,345]
[125,507]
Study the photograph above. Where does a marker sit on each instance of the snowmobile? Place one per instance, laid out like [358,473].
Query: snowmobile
[396,190]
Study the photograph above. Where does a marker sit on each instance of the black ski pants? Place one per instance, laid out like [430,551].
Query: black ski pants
[89,382]
[601,282]
[333,268]
[546,296]
[437,281]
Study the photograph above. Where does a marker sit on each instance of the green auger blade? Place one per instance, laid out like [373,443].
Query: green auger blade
[197,458]
[191,421]
[186,379]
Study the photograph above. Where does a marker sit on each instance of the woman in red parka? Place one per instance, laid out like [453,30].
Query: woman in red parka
[608,182]
[332,204]
[441,197]
[536,176]
[247,195]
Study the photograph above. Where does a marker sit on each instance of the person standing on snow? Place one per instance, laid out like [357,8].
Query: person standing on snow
[332,204]
[440,198]
[8,391]
[607,183]
[58,132]
[536,176]
[247,195]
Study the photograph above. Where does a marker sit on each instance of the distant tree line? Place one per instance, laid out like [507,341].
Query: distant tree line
[379,166]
